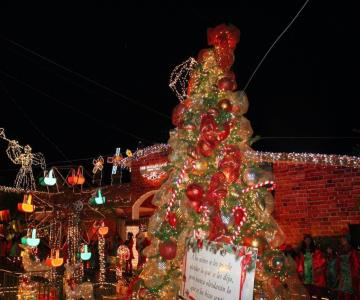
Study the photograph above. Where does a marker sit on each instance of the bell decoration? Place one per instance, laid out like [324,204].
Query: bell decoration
[26,205]
[98,199]
[168,249]
[103,230]
[49,179]
[33,241]
[85,255]
[57,261]
[76,178]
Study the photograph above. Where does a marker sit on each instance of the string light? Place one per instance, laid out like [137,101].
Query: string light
[153,172]
[142,153]
[304,158]
[98,164]
[23,156]
[179,78]
[101,248]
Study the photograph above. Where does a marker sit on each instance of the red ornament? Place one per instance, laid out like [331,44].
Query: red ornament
[225,104]
[178,114]
[227,84]
[168,249]
[223,36]
[195,205]
[200,243]
[172,219]
[239,216]
[194,192]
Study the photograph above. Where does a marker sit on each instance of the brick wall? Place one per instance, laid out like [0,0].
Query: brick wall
[317,200]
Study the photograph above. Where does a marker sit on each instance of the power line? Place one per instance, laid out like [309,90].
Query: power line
[122,96]
[273,44]
[135,137]
[42,134]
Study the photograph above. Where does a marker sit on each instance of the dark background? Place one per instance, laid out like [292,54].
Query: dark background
[303,98]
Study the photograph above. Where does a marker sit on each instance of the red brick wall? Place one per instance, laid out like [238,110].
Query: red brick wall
[316,200]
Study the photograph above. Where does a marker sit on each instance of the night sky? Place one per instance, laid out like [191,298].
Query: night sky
[103,82]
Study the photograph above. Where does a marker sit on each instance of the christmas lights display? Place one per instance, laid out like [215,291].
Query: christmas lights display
[214,193]
[24,157]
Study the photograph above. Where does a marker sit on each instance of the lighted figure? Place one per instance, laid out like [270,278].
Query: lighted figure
[115,161]
[23,156]
[98,169]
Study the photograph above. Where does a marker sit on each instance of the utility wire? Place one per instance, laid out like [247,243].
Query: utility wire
[273,44]
[110,90]
[135,137]
[42,134]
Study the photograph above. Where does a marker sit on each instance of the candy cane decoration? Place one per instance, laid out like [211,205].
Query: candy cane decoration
[238,226]
[178,182]
[269,183]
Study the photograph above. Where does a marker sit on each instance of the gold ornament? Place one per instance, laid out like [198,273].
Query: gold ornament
[200,167]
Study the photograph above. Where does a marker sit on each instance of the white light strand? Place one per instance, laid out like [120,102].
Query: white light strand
[179,78]
[101,248]
[23,156]
[304,158]
[142,153]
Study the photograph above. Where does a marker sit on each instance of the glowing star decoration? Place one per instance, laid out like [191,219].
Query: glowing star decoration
[153,174]
[26,205]
[33,241]
[85,255]
[57,261]
[23,156]
[98,164]
[98,199]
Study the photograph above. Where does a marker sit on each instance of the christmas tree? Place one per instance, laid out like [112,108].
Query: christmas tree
[213,194]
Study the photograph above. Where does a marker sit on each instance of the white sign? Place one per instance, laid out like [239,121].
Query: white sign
[219,276]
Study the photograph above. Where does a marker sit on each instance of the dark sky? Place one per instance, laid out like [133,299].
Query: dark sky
[307,86]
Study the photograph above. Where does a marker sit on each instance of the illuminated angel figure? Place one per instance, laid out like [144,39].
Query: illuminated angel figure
[27,159]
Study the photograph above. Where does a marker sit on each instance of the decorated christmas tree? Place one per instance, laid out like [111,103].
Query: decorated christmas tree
[213,197]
